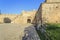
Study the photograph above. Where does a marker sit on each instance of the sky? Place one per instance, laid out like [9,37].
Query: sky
[16,6]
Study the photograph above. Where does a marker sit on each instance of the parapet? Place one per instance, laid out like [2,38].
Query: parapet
[52,1]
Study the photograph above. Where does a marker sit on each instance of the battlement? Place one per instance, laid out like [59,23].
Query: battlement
[52,0]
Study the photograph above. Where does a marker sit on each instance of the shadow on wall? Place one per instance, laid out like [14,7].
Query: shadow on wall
[38,16]
[7,20]
[28,20]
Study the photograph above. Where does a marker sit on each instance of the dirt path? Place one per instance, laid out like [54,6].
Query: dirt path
[14,31]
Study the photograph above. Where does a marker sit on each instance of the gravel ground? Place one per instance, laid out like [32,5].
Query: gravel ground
[11,32]
[16,31]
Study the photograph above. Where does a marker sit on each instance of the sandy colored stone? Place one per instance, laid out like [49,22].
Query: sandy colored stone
[49,12]
[19,19]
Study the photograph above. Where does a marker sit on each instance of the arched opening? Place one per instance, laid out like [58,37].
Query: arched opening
[7,20]
[28,20]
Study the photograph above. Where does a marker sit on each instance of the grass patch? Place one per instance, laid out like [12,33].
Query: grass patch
[54,31]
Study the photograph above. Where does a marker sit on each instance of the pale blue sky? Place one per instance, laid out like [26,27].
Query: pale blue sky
[16,6]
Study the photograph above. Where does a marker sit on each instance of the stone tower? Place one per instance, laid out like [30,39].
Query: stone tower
[50,10]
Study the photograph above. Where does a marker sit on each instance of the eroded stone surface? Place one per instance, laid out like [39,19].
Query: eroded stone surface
[30,33]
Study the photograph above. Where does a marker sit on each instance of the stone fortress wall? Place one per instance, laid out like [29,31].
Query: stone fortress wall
[49,12]
[2,16]
[52,1]
[23,18]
